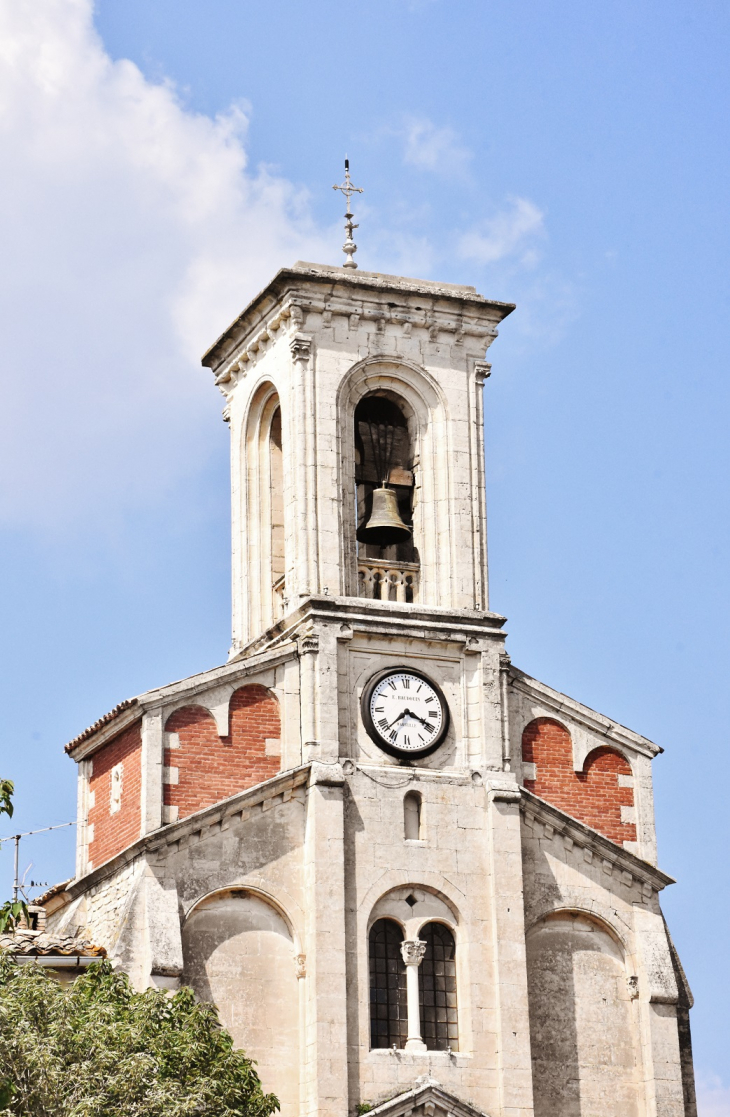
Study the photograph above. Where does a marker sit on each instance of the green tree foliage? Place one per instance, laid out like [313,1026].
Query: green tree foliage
[7,787]
[11,910]
[98,1049]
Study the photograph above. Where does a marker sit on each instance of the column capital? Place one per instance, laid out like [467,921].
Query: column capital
[412,951]
[301,347]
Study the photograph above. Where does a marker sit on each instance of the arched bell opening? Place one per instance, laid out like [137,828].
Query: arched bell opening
[385,490]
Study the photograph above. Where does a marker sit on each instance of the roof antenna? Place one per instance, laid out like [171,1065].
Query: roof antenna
[349,247]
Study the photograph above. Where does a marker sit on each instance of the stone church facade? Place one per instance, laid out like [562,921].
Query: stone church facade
[410,876]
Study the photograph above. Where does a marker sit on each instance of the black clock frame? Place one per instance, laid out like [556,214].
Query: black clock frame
[402,754]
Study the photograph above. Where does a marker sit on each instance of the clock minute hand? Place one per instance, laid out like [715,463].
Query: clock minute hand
[417,717]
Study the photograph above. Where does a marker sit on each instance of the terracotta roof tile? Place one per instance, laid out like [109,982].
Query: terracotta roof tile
[54,890]
[33,943]
[104,720]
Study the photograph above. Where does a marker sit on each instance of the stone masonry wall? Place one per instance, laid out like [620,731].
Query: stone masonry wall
[601,795]
[114,795]
[203,768]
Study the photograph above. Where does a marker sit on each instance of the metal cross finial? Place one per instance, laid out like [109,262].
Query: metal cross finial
[349,247]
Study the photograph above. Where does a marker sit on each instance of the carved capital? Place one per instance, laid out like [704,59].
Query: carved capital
[300,961]
[301,347]
[308,645]
[482,369]
[413,951]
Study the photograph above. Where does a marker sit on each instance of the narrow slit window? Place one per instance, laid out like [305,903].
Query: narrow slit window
[388,1000]
[437,989]
[412,816]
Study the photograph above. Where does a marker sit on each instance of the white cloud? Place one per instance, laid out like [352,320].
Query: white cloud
[430,148]
[133,231]
[713,1098]
[512,233]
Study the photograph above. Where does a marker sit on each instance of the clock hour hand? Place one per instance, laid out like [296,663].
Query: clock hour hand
[401,715]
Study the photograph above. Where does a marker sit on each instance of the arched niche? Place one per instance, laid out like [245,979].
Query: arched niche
[263,510]
[420,400]
[239,953]
[583,1028]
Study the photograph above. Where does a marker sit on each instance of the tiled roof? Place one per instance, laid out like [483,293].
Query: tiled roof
[54,890]
[125,705]
[34,943]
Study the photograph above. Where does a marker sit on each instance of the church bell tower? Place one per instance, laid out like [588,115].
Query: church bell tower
[337,384]
[413,879]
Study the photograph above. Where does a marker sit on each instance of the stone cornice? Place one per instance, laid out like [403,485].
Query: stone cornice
[370,295]
[127,713]
[584,836]
[361,614]
[591,719]
[196,823]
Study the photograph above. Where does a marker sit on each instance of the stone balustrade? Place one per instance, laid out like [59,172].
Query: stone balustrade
[388,581]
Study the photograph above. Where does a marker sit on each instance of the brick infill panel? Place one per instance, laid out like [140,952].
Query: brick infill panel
[114,832]
[593,796]
[211,768]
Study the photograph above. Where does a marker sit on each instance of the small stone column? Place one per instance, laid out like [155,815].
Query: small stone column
[413,951]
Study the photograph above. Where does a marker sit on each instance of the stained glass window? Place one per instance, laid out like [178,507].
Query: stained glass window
[437,989]
[388,1004]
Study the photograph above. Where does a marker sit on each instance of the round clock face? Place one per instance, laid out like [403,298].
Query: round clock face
[404,712]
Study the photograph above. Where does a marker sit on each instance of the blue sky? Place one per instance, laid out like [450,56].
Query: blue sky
[164,159]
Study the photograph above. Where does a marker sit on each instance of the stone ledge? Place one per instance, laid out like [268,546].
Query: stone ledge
[131,711]
[193,827]
[594,844]
[591,719]
[290,284]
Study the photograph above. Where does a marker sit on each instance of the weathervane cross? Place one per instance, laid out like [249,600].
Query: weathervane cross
[349,247]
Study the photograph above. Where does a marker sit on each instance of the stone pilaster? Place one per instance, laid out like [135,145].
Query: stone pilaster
[324,1078]
[151,762]
[508,937]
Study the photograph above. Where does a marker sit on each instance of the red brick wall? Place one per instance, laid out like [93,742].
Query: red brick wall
[114,832]
[211,767]
[593,796]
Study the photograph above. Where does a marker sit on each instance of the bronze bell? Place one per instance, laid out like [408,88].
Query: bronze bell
[385,527]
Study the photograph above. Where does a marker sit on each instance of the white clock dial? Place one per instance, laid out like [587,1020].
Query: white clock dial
[407,712]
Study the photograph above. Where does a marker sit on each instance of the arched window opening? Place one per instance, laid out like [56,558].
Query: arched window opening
[384,500]
[439,1024]
[412,816]
[388,1001]
[276,488]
